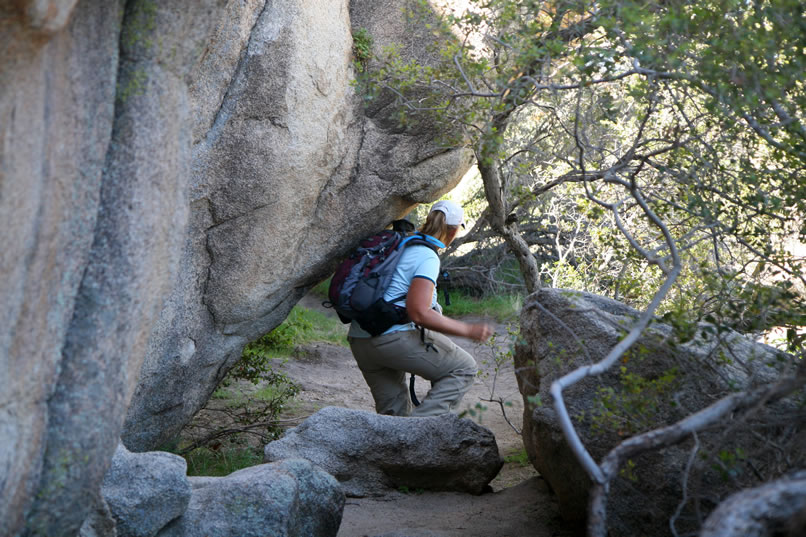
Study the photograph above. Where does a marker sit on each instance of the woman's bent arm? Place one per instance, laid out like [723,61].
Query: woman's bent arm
[418,306]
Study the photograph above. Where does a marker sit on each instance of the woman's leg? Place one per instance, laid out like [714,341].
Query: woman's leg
[450,379]
[435,357]
[388,386]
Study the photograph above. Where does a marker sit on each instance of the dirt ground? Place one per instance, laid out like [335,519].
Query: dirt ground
[520,505]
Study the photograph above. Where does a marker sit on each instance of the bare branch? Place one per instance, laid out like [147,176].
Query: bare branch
[575,376]
[684,484]
[500,403]
[557,387]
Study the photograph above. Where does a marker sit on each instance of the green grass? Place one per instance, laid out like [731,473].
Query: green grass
[321,288]
[270,392]
[322,327]
[501,308]
[223,392]
[300,327]
[222,461]
[519,457]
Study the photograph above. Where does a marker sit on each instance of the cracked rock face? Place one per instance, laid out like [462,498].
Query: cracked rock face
[288,171]
[94,162]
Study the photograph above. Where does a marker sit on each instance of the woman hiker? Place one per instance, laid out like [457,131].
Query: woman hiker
[421,346]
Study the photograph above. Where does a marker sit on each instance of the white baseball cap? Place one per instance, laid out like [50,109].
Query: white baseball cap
[454,215]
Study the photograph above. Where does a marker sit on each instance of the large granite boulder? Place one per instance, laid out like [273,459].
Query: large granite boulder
[659,381]
[291,498]
[145,491]
[136,236]
[371,454]
[173,177]
[289,171]
[92,185]
[50,176]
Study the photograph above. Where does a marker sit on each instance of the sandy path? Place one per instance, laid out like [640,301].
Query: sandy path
[521,504]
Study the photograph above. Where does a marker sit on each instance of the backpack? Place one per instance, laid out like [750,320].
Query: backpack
[359,283]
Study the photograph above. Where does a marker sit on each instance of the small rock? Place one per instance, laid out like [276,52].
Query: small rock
[145,491]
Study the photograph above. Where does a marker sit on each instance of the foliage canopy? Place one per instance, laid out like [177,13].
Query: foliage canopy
[622,135]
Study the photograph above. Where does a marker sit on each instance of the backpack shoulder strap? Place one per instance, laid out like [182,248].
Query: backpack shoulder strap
[421,239]
[416,239]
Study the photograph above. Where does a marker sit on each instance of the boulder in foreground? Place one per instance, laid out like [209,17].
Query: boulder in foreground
[145,491]
[371,454]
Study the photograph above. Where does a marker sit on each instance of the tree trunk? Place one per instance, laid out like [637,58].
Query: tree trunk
[489,168]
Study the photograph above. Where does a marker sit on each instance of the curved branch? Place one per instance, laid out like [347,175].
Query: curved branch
[557,387]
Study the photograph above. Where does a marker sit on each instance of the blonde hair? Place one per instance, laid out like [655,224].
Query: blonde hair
[436,227]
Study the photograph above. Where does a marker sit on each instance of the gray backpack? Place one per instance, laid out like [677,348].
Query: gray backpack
[359,283]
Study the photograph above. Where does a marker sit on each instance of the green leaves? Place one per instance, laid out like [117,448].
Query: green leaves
[362,48]
[694,108]
[633,406]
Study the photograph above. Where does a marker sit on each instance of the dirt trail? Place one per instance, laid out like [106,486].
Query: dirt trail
[521,504]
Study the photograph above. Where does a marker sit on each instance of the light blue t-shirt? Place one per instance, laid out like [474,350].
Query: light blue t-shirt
[416,261]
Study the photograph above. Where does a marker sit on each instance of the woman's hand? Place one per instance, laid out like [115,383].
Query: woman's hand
[480,332]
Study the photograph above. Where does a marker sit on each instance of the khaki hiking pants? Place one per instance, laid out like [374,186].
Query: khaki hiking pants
[384,361]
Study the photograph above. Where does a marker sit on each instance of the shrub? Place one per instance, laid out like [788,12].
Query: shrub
[362,48]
